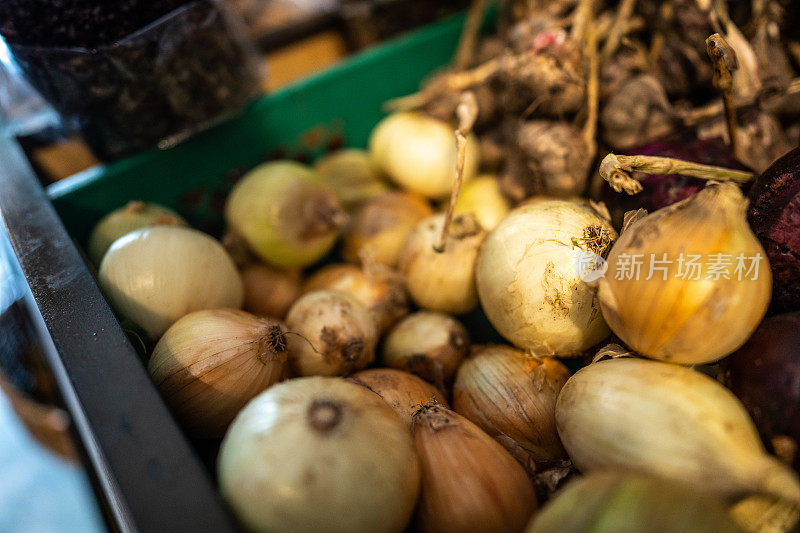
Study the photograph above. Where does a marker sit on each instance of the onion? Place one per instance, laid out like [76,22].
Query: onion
[352,175]
[317,455]
[512,396]
[269,291]
[154,276]
[443,281]
[419,153]
[116,224]
[765,375]
[377,288]
[469,482]
[670,422]
[403,391]
[288,217]
[611,502]
[482,198]
[529,281]
[209,364]
[430,345]
[331,334]
[380,227]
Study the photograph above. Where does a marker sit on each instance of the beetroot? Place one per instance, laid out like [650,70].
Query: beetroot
[661,191]
[765,375]
[775,218]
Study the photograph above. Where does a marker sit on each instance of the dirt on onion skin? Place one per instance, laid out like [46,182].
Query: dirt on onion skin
[774,216]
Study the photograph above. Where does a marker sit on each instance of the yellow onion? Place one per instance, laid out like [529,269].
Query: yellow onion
[512,396]
[331,334]
[352,175]
[443,281]
[380,227]
[469,482]
[612,502]
[672,316]
[403,391]
[482,198]
[156,275]
[530,276]
[667,421]
[430,345]
[269,291]
[285,212]
[766,514]
[379,289]
[120,222]
[319,455]
[418,153]
[209,364]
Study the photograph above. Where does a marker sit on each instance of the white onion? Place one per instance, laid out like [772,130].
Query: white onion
[317,455]
[154,276]
[529,280]
[419,153]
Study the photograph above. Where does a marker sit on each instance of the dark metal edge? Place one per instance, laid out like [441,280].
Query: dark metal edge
[146,474]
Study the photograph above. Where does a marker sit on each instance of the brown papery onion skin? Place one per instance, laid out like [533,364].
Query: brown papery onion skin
[470,483]
[512,395]
[403,391]
[269,291]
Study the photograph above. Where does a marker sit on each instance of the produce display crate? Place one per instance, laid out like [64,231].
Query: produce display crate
[147,475]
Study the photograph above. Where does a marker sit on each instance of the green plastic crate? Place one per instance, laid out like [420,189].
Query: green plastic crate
[339,106]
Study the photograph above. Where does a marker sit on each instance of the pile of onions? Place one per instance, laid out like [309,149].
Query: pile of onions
[419,154]
[313,451]
[332,334]
[156,275]
[529,281]
[209,364]
[285,213]
[120,222]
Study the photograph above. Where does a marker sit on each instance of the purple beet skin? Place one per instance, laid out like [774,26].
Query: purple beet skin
[663,190]
[775,218]
[765,375]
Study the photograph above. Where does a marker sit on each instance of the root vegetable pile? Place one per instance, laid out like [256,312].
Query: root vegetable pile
[557,292]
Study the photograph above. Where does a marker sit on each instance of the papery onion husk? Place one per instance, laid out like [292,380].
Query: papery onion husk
[353,175]
[512,395]
[529,277]
[156,275]
[430,345]
[676,318]
[285,212]
[269,291]
[403,391]
[377,287]
[469,482]
[766,514]
[120,222]
[443,281]
[611,502]
[482,197]
[666,421]
[319,455]
[331,334]
[380,227]
[765,375]
[209,364]
[418,153]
